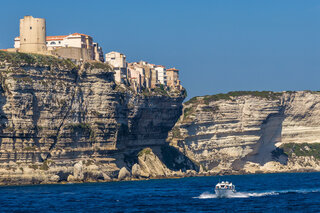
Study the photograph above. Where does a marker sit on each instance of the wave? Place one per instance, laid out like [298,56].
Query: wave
[208,195]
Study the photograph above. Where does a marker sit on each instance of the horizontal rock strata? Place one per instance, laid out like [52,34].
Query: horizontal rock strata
[60,122]
[247,132]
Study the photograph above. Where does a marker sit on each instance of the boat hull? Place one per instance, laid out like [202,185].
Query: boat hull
[224,192]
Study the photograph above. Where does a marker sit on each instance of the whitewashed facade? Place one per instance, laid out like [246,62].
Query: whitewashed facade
[118,62]
[162,77]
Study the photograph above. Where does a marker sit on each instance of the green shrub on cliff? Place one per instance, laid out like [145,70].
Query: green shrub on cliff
[228,96]
[176,133]
[160,91]
[29,59]
[262,94]
[146,151]
[83,128]
[23,79]
[44,166]
[29,148]
[188,111]
[97,65]
[302,149]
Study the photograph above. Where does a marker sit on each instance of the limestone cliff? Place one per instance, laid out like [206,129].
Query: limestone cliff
[62,122]
[247,132]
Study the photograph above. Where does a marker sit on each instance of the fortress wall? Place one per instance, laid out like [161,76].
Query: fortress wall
[72,53]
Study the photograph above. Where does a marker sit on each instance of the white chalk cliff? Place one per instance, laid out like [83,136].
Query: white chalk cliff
[248,132]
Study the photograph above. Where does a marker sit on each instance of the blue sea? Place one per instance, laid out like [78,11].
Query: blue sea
[292,192]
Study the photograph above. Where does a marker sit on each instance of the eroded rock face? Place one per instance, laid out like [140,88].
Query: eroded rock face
[52,119]
[250,132]
[123,173]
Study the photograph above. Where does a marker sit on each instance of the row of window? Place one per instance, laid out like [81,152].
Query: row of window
[52,42]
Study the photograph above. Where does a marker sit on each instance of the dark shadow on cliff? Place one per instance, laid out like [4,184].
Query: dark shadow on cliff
[35,118]
[176,160]
[265,149]
[3,101]
[171,157]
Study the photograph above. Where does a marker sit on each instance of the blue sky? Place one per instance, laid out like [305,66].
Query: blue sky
[218,45]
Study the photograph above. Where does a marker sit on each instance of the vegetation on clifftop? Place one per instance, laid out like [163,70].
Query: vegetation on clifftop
[227,96]
[29,59]
[301,149]
[145,151]
[97,65]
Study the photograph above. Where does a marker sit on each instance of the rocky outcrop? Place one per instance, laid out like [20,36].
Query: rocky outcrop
[61,122]
[248,132]
[123,173]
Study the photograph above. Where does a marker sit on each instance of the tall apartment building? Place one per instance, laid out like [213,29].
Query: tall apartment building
[162,76]
[118,62]
[135,70]
[173,78]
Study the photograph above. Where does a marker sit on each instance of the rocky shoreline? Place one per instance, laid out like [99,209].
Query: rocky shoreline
[226,173]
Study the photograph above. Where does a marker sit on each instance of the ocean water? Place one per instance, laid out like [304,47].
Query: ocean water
[294,192]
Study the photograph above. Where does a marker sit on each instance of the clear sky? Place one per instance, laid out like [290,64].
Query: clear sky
[218,45]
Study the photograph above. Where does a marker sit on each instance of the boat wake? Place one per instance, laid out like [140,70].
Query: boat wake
[208,195]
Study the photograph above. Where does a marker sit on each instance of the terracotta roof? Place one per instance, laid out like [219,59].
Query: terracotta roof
[80,34]
[172,69]
[4,50]
[55,38]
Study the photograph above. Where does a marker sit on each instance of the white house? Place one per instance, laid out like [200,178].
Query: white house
[76,40]
[162,76]
[118,62]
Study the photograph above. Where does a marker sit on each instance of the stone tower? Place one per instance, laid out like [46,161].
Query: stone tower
[33,35]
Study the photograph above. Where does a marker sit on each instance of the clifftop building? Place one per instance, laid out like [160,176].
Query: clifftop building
[33,35]
[75,46]
[162,76]
[118,62]
[140,76]
[173,78]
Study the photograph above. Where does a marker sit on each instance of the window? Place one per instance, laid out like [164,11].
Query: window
[30,28]
[53,42]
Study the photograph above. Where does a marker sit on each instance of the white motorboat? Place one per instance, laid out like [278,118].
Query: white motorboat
[224,189]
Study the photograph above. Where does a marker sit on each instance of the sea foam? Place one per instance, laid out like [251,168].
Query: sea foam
[208,195]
